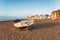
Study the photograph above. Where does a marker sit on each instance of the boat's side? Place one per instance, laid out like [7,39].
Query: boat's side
[24,23]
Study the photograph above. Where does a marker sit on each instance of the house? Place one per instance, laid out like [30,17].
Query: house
[34,17]
[42,16]
[55,15]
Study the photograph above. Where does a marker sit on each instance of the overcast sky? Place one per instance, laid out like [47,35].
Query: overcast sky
[25,8]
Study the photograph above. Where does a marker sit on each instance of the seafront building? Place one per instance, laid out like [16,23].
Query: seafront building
[34,17]
[55,15]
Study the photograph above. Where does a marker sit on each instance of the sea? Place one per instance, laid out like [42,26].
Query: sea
[5,18]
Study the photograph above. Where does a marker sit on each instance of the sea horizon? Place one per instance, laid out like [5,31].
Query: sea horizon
[4,18]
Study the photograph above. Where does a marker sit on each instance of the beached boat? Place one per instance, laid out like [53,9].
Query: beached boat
[23,23]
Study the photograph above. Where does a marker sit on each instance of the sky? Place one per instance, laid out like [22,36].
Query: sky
[23,8]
